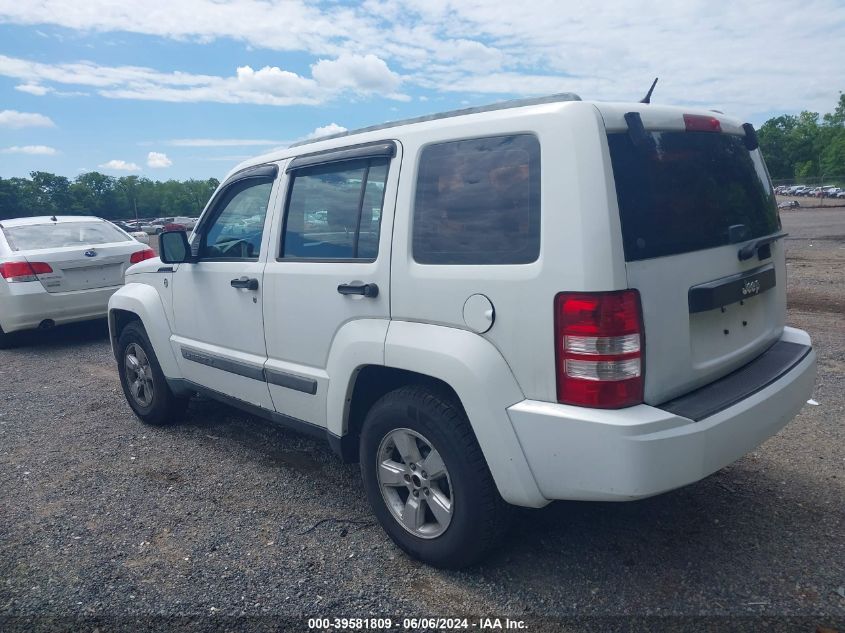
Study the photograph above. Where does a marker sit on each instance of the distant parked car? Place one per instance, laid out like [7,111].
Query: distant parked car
[790,204]
[132,232]
[175,226]
[56,270]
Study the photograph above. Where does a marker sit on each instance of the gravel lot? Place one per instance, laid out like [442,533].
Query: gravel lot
[227,515]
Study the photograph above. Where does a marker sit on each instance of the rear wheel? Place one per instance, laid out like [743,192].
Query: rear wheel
[143,382]
[427,480]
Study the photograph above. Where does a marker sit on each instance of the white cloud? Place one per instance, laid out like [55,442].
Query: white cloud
[221,142]
[34,89]
[361,73]
[476,47]
[327,130]
[269,85]
[120,165]
[15,119]
[158,160]
[42,150]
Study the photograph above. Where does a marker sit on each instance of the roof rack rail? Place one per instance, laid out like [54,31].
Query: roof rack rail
[501,105]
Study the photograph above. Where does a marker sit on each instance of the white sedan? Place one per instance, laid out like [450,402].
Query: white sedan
[56,270]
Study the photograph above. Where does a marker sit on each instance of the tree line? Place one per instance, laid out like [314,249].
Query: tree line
[806,147]
[104,196]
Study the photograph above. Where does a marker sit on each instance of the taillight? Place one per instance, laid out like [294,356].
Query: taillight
[702,123]
[140,256]
[23,271]
[599,349]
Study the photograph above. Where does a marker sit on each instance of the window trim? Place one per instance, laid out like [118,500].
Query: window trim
[292,175]
[266,173]
[378,149]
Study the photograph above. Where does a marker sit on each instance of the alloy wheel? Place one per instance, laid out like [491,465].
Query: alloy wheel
[139,375]
[415,483]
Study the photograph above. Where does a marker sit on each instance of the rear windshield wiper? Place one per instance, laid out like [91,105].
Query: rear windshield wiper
[748,251]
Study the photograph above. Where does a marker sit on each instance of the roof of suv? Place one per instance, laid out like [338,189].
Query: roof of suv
[612,112]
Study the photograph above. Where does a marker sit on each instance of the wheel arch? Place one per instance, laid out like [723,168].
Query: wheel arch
[141,302]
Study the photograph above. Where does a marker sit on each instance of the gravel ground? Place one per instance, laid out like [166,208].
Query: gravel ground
[227,515]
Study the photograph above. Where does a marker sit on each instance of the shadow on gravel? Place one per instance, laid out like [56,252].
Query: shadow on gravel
[739,533]
[61,336]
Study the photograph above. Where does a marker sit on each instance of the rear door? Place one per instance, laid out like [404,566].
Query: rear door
[82,255]
[332,270]
[691,195]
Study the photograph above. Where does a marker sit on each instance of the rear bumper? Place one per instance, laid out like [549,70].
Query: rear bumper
[591,454]
[26,305]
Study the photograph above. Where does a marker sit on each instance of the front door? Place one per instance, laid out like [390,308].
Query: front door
[218,300]
[329,286]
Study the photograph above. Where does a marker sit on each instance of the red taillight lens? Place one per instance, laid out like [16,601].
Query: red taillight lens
[702,123]
[140,256]
[599,349]
[23,271]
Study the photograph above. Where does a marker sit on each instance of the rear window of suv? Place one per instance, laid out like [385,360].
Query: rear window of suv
[690,191]
[62,234]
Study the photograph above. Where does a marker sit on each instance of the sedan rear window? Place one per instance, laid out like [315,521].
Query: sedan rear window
[689,191]
[63,234]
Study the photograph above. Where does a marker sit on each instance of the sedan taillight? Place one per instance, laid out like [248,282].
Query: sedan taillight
[23,271]
[140,256]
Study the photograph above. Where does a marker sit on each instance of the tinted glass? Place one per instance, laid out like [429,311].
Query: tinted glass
[334,211]
[236,231]
[686,192]
[62,234]
[478,202]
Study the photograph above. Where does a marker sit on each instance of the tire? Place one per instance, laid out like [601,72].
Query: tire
[149,395]
[5,340]
[471,517]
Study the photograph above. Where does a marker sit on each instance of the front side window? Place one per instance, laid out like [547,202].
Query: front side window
[237,229]
[478,202]
[334,211]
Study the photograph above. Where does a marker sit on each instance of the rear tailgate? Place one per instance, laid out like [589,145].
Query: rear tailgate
[689,201]
[103,266]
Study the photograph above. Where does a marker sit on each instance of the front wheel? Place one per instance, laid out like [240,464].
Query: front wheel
[427,480]
[143,382]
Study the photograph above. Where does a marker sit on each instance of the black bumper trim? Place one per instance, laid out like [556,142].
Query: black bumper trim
[778,360]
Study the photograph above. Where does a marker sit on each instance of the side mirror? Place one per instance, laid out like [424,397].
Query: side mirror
[174,248]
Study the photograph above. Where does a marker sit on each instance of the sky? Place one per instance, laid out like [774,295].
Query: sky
[188,88]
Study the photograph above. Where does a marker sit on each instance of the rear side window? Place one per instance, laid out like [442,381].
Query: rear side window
[62,234]
[478,202]
[334,211]
[689,191]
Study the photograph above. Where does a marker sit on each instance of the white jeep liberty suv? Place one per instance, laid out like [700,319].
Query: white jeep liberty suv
[536,300]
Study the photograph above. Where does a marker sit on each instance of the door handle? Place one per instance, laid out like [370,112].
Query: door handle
[367,290]
[247,283]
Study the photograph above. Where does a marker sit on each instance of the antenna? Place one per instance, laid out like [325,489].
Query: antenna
[647,98]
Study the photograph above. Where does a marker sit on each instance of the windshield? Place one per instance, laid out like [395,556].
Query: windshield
[689,192]
[62,234]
